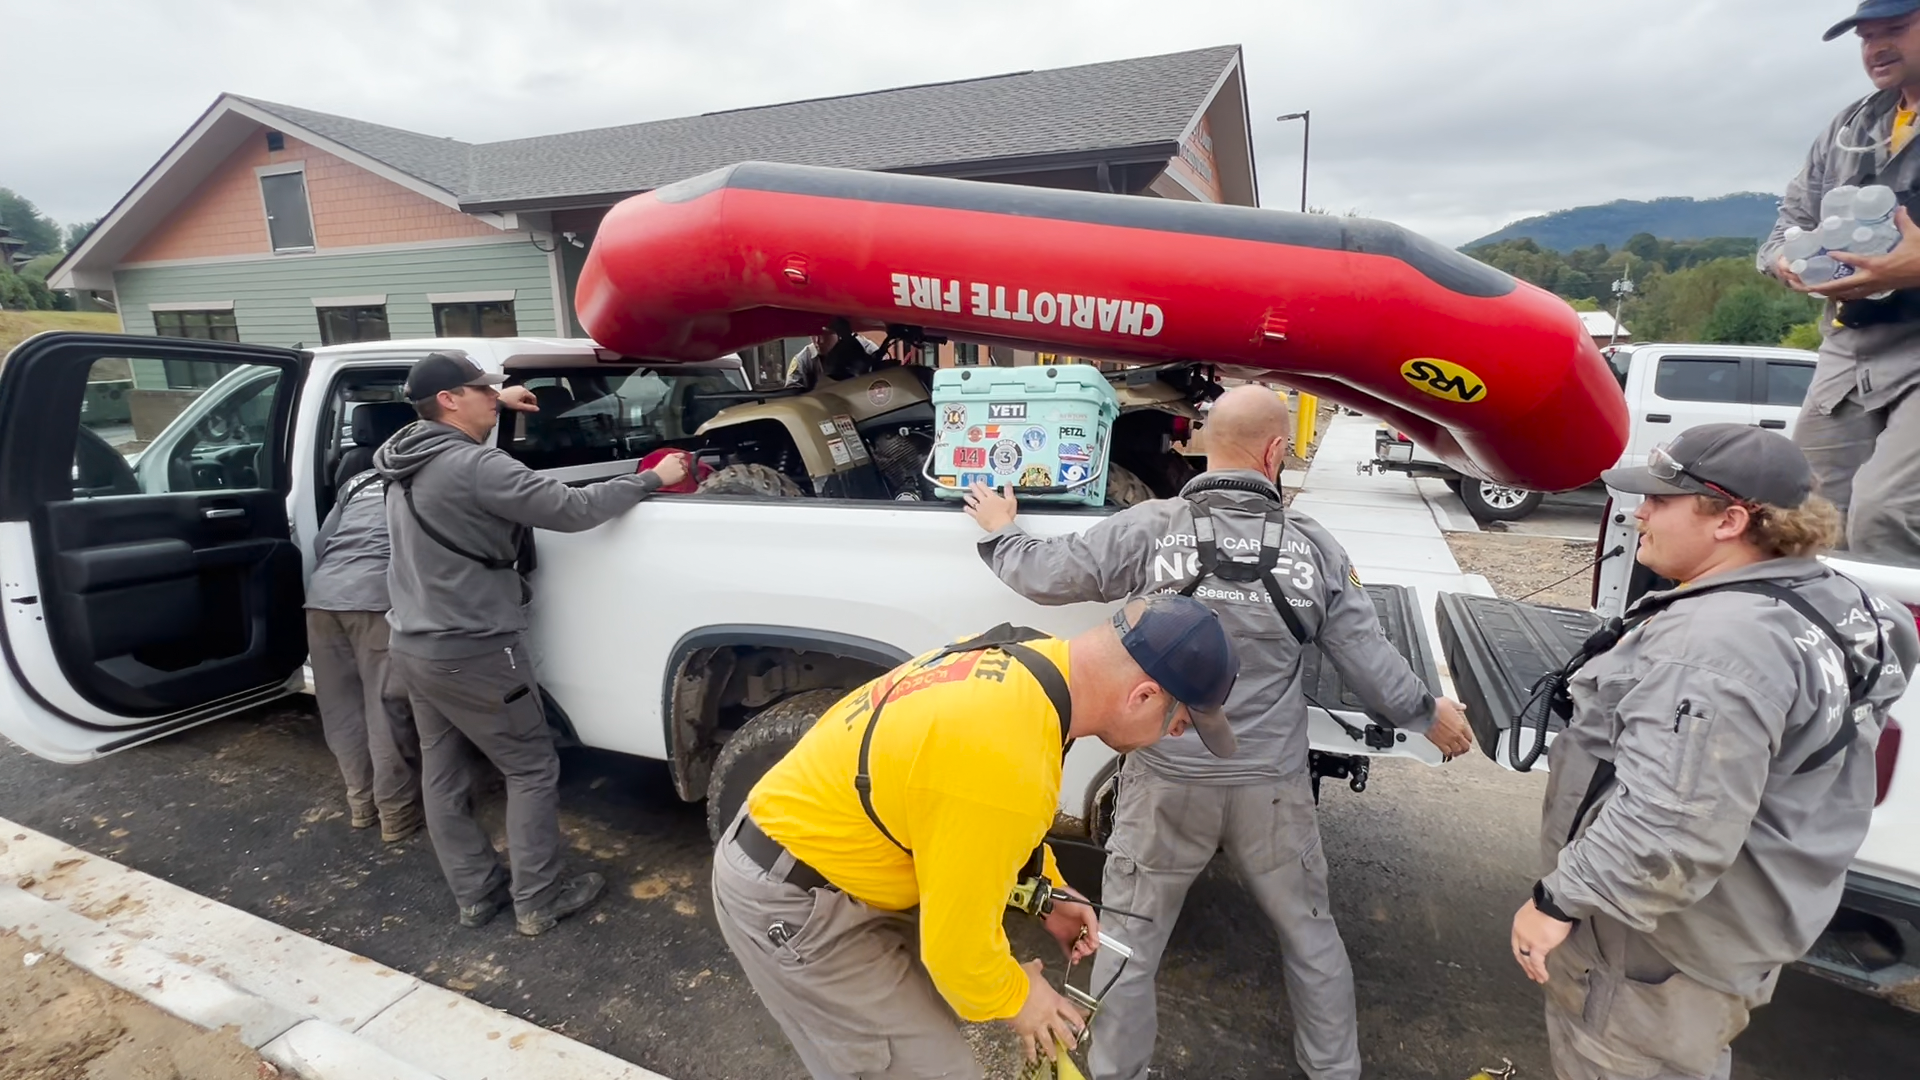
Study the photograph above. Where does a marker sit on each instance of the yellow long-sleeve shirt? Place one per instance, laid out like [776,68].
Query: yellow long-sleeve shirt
[966,774]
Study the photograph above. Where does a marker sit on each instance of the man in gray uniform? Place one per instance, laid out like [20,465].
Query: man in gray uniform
[367,724]
[1177,804]
[461,513]
[1717,772]
[1860,426]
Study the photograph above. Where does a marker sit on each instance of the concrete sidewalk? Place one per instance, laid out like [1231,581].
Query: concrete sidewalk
[1390,529]
[312,1009]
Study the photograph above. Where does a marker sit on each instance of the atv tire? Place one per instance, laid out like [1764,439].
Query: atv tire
[760,744]
[758,480]
[1124,488]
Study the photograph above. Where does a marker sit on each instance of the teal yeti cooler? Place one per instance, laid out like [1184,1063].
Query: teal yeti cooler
[1041,429]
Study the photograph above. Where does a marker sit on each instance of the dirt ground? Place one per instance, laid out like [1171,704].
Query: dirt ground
[1518,565]
[58,1022]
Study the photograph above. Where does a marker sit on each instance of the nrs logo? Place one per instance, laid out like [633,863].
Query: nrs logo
[1444,380]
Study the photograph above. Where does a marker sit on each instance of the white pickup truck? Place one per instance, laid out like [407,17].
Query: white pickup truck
[150,588]
[1669,388]
[1495,650]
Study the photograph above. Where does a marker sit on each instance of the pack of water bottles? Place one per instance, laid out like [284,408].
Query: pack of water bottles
[1856,220]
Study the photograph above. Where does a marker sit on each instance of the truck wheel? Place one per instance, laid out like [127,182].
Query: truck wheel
[1488,501]
[759,744]
[761,480]
[1125,489]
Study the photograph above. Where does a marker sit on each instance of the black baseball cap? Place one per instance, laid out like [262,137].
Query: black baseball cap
[1746,463]
[1179,642]
[439,371]
[1872,9]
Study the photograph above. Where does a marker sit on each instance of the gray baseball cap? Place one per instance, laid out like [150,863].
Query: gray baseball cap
[1737,461]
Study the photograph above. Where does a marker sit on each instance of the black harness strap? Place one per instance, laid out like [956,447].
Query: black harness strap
[329,526]
[521,559]
[1006,638]
[1272,533]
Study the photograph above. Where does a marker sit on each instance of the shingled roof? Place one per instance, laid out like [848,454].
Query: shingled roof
[1145,103]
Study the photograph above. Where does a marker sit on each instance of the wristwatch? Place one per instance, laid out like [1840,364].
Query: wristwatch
[1543,900]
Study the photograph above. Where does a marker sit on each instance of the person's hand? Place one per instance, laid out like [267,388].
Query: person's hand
[1047,1020]
[1450,731]
[519,399]
[1783,270]
[1535,934]
[1897,269]
[1075,926]
[672,469]
[993,510]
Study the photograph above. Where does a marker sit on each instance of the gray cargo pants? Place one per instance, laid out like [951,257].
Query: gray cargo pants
[847,986]
[1868,463]
[1617,1010]
[487,703]
[367,725]
[1165,832]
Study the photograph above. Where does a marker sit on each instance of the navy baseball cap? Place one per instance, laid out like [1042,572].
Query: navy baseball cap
[1872,9]
[1179,642]
[439,371]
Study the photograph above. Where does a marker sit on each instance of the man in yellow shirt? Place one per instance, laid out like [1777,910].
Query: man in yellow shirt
[864,884]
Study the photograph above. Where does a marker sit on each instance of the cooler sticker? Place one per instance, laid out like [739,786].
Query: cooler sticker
[948,481]
[1072,418]
[1006,410]
[1073,451]
[973,434]
[953,417]
[1444,379]
[839,451]
[1036,476]
[993,432]
[1074,433]
[1034,439]
[968,479]
[969,457]
[1005,457]
[1073,474]
[827,428]
[879,392]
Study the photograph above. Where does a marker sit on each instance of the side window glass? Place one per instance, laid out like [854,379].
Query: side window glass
[1700,379]
[596,416]
[149,426]
[1787,383]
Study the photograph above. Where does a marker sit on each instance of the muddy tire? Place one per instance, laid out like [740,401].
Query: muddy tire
[1124,488]
[1488,501]
[759,744]
[763,481]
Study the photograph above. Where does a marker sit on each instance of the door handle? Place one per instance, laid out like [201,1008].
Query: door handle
[1776,425]
[221,513]
[1659,418]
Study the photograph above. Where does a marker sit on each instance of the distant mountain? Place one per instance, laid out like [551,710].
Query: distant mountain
[1749,213]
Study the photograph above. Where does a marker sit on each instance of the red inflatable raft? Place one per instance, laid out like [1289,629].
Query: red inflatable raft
[1497,376]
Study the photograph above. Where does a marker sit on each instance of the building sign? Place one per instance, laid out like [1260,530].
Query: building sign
[1195,166]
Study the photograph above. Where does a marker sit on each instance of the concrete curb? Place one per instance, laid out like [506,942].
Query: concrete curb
[317,1011]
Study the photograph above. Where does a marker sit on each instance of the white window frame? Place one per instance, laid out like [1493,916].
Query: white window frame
[486,296]
[260,173]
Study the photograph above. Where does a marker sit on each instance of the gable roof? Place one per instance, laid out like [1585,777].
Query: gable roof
[1117,112]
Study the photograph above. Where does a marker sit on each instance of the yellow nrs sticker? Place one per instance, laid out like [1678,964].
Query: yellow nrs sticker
[1444,379]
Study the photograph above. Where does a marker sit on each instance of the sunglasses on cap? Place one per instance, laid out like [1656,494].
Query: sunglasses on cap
[1663,466]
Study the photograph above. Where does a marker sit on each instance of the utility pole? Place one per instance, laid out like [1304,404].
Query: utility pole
[1621,290]
[1306,137]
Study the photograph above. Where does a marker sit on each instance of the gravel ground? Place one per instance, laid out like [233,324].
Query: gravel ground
[1555,571]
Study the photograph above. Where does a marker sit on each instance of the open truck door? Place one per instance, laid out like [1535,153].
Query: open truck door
[147,575]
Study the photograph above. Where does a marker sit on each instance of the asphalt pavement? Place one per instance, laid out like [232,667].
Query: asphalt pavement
[1428,867]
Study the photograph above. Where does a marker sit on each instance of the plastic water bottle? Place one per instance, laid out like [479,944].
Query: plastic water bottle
[1797,243]
[1835,233]
[1874,239]
[1817,270]
[1839,202]
[1874,205]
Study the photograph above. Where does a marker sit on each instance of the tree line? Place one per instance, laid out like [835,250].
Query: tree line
[1683,290]
[46,243]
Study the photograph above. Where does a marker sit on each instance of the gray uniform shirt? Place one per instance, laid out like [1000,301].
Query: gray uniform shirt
[445,605]
[350,557]
[1876,364]
[1150,548]
[1709,841]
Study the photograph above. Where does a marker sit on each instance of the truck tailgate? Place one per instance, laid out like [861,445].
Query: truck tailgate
[1497,648]
[1399,610]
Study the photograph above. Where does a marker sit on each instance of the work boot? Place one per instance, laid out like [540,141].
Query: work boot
[398,826]
[575,896]
[482,913]
[364,816]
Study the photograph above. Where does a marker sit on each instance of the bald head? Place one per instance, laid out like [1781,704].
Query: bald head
[1243,426]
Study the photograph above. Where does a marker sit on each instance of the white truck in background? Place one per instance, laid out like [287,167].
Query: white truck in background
[1669,388]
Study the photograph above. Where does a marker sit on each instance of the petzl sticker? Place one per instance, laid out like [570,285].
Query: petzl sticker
[1444,379]
[1005,457]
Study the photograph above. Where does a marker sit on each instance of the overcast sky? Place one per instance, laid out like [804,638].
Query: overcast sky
[1452,119]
